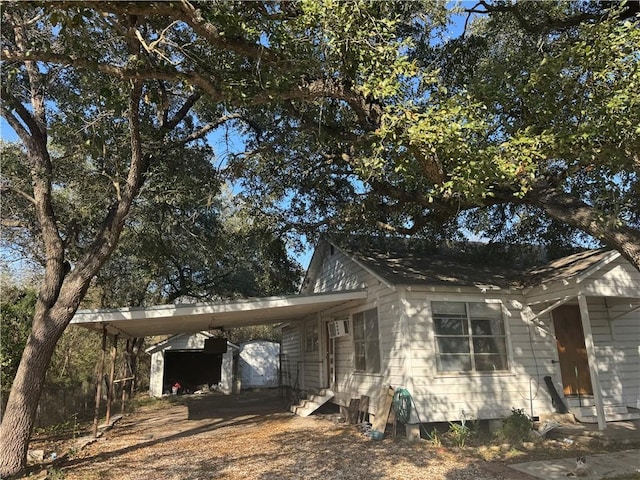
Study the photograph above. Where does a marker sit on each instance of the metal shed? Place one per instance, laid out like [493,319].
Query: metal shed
[258,364]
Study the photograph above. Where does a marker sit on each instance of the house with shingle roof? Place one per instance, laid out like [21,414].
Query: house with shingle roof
[468,335]
[466,332]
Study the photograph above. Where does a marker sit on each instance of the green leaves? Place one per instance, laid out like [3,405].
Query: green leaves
[17,306]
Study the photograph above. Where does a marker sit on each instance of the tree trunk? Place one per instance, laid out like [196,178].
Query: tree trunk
[61,291]
[570,210]
[19,416]
[134,352]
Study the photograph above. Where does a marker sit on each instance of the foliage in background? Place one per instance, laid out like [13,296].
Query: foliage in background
[523,129]
[16,312]
[257,332]
[70,383]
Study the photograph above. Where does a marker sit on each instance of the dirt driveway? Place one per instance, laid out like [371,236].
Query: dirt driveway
[252,437]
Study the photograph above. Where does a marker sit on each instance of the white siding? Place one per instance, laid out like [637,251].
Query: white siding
[617,345]
[291,339]
[351,384]
[617,279]
[311,366]
[550,293]
[186,342]
[445,397]
[338,272]
[627,338]
[226,373]
[407,343]
[615,326]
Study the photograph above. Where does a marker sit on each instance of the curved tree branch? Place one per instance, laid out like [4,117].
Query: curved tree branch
[573,211]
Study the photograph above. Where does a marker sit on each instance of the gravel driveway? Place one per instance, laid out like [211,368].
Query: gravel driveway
[251,436]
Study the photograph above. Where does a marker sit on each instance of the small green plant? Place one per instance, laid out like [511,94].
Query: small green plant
[434,437]
[460,433]
[515,428]
[55,474]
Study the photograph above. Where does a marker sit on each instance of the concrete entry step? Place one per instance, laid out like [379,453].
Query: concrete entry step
[307,406]
[585,411]
[612,413]
[627,432]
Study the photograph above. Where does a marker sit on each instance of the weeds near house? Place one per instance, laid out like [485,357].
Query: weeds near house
[460,433]
[515,428]
[434,437]
[71,428]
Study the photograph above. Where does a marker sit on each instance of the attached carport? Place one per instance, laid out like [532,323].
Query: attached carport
[126,323]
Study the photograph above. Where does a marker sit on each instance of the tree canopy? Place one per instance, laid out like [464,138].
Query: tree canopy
[356,116]
[525,128]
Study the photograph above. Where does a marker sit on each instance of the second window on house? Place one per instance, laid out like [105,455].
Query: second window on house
[365,341]
[470,337]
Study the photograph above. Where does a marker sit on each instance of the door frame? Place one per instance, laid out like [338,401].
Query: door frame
[329,359]
[583,306]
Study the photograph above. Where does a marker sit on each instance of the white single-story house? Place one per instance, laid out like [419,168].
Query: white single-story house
[466,338]
[259,364]
[470,340]
[187,359]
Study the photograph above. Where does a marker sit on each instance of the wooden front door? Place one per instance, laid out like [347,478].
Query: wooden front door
[572,353]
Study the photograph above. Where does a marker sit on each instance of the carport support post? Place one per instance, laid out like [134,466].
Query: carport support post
[100,374]
[593,361]
[124,383]
[112,374]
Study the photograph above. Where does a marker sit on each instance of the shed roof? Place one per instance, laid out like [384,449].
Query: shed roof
[167,342]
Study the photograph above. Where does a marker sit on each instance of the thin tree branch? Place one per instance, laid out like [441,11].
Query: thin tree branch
[184,110]
[543,25]
[24,114]
[369,113]
[7,223]
[202,131]
[20,192]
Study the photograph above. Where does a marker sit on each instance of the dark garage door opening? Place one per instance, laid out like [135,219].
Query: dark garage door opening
[192,369]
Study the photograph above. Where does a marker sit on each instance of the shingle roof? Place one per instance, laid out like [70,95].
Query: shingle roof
[566,267]
[404,263]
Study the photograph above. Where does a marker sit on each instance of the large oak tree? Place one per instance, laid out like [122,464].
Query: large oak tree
[141,71]
[356,115]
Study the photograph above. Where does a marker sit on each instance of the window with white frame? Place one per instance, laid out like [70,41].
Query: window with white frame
[470,337]
[311,337]
[366,342]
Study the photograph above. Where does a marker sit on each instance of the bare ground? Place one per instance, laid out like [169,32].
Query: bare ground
[251,436]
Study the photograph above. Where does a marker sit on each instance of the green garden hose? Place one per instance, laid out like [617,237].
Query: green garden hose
[402,403]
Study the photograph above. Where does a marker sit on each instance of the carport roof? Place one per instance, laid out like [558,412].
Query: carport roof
[173,319]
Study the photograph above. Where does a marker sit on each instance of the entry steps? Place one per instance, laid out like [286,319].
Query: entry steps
[584,410]
[309,405]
